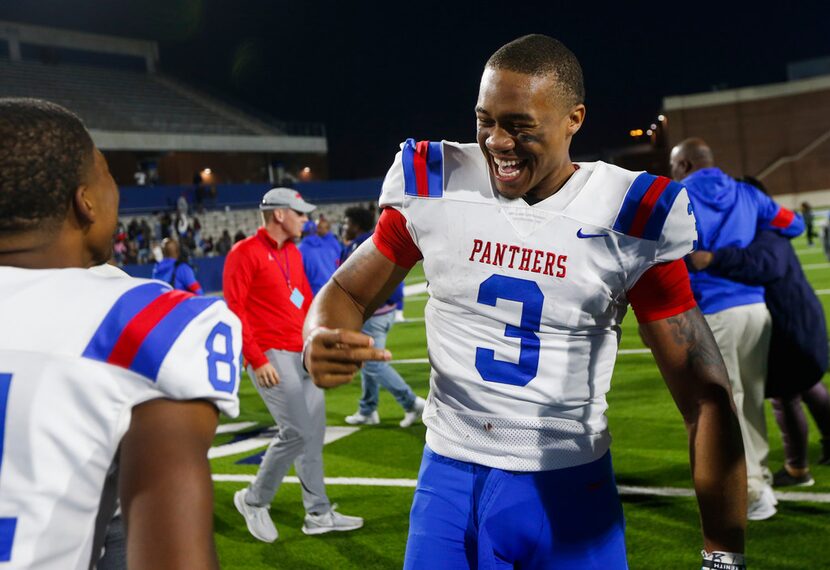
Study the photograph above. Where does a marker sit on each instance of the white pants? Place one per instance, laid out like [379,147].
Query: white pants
[743,334]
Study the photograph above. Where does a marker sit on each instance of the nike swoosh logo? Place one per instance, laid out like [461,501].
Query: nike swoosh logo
[580,235]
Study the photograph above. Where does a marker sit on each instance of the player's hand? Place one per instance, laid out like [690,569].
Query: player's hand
[700,260]
[333,356]
[266,375]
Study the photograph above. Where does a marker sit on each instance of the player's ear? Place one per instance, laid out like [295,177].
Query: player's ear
[575,118]
[83,204]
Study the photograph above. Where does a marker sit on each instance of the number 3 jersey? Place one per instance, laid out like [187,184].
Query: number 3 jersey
[525,302]
[77,352]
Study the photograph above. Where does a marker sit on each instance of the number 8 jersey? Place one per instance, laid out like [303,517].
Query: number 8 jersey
[77,352]
[525,302]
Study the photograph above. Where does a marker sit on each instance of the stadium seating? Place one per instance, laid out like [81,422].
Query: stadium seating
[117,100]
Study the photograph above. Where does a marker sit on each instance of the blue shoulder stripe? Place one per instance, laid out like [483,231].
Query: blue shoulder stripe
[660,212]
[631,202]
[423,169]
[160,340]
[122,312]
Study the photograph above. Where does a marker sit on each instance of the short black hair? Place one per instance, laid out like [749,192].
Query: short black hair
[540,55]
[362,218]
[44,153]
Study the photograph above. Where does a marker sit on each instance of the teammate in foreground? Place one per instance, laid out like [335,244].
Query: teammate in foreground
[531,261]
[90,365]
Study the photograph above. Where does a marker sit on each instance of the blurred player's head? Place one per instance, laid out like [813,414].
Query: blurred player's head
[358,221]
[323,227]
[530,104]
[688,156]
[58,201]
[170,248]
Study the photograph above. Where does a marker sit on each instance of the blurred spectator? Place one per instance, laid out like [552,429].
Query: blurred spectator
[173,269]
[239,236]
[321,254]
[181,205]
[360,223]
[798,350]
[223,246]
[798,354]
[729,213]
[809,220]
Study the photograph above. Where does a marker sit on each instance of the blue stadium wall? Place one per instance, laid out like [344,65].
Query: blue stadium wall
[145,199]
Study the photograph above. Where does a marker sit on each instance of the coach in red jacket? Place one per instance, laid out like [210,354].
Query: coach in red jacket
[266,286]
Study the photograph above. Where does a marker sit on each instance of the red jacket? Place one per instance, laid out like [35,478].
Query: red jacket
[258,281]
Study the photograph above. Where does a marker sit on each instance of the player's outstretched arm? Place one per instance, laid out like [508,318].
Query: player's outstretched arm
[165,485]
[691,364]
[334,346]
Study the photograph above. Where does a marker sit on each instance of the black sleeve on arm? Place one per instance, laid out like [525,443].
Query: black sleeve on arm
[762,261]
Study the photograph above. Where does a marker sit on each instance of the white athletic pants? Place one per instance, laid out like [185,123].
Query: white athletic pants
[743,335]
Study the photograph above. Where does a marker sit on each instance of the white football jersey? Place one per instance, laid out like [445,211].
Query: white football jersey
[525,302]
[77,352]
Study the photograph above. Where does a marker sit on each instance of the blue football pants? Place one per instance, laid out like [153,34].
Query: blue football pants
[467,516]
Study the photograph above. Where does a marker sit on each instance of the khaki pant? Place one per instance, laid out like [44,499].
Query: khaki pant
[743,334]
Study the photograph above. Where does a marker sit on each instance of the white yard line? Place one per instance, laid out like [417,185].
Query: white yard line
[415,289]
[623,489]
[234,427]
[809,266]
[333,433]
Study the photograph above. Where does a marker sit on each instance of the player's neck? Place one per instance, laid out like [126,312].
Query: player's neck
[39,250]
[277,233]
[552,184]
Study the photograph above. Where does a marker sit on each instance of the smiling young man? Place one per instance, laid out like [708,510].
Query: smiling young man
[531,262]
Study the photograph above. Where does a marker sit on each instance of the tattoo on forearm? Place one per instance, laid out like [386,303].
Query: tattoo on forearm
[689,330]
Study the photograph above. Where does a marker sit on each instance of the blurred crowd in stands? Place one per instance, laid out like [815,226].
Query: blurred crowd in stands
[139,240]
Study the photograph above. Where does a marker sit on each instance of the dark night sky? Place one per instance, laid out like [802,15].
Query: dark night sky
[376,73]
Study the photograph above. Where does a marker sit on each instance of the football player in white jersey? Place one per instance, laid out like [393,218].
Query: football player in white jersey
[92,366]
[531,262]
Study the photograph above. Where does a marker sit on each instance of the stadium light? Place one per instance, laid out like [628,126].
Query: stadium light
[207,171]
[661,118]
[635,132]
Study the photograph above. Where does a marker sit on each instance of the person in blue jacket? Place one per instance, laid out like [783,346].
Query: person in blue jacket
[359,227]
[174,270]
[798,352]
[321,254]
[730,213]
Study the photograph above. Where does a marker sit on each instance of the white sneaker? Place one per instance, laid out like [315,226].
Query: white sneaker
[330,521]
[357,418]
[763,507]
[399,318]
[414,415]
[258,520]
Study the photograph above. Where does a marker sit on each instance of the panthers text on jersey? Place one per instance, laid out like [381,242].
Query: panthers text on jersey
[523,319]
[77,352]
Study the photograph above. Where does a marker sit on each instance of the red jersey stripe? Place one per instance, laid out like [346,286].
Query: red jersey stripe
[194,287]
[140,326]
[662,292]
[650,198]
[783,218]
[419,162]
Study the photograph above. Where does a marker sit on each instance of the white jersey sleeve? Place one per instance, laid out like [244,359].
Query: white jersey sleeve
[679,235]
[391,195]
[188,347]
